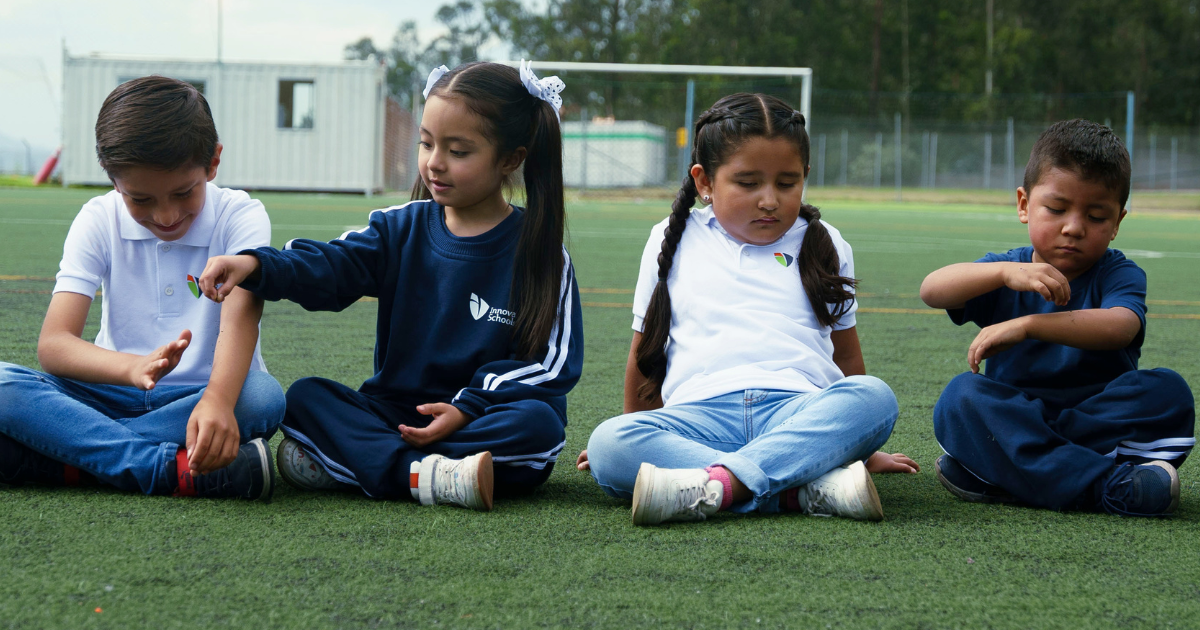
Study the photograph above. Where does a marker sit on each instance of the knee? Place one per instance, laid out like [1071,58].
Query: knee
[261,405]
[1168,385]
[542,424]
[305,393]
[14,382]
[956,404]
[610,445]
[873,399]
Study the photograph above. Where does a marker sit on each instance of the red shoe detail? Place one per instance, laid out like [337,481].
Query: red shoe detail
[790,500]
[413,480]
[70,475]
[187,486]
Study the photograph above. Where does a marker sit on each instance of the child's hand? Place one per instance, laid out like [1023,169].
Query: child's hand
[581,462]
[996,339]
[149,370]
[222,274]
[446,420]
[1041,278]
[880,462]
[213,437]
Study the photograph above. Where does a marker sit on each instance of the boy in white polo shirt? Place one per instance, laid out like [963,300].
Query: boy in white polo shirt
[173,396]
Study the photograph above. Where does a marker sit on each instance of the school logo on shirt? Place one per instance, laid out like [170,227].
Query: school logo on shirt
[784,259]
[193,285]
[479,308]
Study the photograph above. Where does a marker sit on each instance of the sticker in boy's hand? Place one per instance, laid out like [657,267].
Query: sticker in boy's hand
[193,286]
[784,259]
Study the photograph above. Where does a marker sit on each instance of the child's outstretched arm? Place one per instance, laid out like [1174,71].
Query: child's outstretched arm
[63,352]
[318,276]
[952,286]
[1089,329]
[213,436]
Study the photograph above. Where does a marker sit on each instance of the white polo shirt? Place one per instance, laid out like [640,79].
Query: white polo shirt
[739,316]
[148,296]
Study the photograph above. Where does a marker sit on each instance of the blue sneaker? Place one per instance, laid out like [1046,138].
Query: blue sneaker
[1147,490]
[250,476]
[966,486]
[20,465]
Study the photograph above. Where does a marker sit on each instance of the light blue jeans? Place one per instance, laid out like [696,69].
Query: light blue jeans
[771,440]
[124,436]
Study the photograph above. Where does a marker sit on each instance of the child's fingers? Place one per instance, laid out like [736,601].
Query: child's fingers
[581,462]
[200,451]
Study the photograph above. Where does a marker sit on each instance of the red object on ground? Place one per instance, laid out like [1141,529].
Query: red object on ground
[47,168]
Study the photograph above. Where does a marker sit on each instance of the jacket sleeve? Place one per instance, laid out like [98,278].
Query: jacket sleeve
[326,276]
[550,374]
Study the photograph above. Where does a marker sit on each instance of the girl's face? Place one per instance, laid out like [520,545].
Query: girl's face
[458,163]
[756,194]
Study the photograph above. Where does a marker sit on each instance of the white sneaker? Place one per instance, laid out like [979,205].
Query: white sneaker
[463,482]
[845,491]
[301,470]
[674,494]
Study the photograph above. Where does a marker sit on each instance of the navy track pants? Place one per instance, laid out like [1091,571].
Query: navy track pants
[356,437]
[1048,448]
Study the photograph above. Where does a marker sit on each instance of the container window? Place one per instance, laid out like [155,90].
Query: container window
[296,104]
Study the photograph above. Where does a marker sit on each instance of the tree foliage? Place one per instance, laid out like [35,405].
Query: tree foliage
[930,57]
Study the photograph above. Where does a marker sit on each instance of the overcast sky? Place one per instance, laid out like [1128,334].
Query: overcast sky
[32,33]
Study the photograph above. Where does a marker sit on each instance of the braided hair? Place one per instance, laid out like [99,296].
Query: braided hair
[719,133]
[513,118]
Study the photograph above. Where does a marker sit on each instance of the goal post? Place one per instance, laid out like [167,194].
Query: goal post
[642,149]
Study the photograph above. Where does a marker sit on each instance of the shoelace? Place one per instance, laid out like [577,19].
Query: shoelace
[445,483]
[1118,487]
[813,497]
[689,498]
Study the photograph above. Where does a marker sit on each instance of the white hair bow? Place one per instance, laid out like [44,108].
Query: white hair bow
[546,89]
[434,75]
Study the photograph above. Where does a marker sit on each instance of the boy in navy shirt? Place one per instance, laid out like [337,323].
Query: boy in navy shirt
[1063,418]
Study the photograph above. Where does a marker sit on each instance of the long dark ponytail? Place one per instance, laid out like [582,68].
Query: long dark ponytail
[718,133]
[516,119]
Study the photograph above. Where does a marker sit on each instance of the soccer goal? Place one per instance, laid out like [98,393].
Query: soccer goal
[628,126]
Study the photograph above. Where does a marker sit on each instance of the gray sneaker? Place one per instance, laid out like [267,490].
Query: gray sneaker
[301,470]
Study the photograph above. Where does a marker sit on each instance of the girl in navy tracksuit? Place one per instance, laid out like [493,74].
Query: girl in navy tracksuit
[479,336]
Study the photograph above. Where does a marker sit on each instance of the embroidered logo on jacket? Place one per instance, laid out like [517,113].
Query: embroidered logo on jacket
[479,308]
[193,285]
[784,259]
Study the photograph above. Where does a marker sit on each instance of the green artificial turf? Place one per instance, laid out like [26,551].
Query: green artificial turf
[568,556]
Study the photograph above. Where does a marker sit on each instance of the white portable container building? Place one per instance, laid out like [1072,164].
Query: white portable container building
[614,154]
[283,126]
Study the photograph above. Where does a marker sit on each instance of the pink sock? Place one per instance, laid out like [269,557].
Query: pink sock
[720,473]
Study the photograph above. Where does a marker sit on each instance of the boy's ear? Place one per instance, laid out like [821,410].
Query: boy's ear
[1022,204]
[1120,217]
[216,161]
[704,186]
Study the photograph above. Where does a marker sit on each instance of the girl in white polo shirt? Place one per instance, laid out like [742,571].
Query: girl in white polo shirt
[745,387]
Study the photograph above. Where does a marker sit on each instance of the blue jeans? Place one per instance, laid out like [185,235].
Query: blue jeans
[770,440]
[124,436]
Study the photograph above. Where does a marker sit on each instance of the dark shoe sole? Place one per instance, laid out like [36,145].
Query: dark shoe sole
[967,495]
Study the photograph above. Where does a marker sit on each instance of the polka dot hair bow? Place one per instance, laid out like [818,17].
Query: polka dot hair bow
[434,75]
[546,89]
